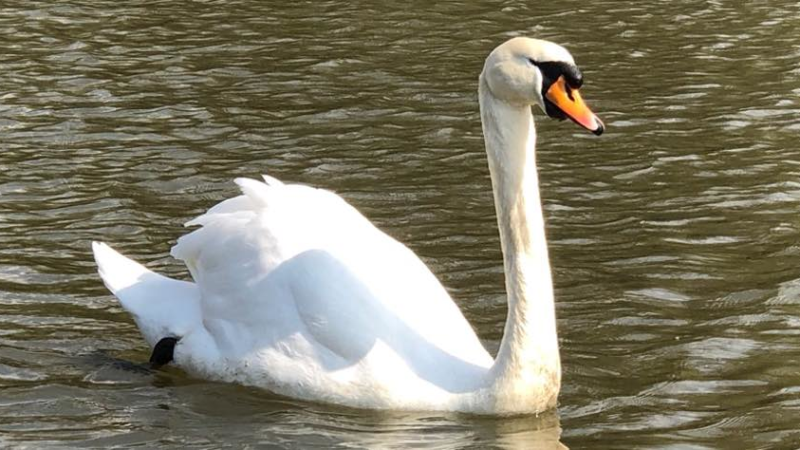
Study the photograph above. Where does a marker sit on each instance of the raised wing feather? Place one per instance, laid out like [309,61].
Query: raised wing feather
[161,306]
[280,254]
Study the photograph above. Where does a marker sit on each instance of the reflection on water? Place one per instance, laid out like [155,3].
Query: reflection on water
[674,237]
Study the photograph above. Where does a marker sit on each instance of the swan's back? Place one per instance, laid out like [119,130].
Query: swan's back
[299,293]
[310,246]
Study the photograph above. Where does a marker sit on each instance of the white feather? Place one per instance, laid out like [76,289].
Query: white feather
[295,291]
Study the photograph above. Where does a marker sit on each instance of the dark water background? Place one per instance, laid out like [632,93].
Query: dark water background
[675,237]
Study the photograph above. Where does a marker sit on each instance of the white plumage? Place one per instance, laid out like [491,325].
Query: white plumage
[295,291]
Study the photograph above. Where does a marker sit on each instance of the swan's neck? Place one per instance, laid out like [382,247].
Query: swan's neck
[527,364]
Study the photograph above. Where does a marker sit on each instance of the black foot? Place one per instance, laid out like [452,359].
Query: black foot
[163,352]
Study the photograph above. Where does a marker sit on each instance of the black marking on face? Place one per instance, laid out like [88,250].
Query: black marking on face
[551,71]
[163,352]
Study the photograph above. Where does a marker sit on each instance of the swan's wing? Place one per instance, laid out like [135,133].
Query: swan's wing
[280,254]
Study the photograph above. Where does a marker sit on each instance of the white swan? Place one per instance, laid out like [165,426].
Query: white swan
[296,292]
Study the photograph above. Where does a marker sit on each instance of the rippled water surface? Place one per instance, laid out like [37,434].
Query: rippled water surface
[675,237]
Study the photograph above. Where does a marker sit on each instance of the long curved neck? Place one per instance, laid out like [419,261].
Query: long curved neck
[528,358]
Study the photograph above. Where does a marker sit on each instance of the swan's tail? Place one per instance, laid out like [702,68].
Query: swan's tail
[162,307]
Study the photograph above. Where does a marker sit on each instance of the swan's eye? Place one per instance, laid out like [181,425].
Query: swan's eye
[531,61]
[574,77]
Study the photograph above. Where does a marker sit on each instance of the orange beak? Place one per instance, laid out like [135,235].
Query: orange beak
[569,101]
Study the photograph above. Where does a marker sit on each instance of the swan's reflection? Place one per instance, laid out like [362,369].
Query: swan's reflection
[235,414]
[533,433]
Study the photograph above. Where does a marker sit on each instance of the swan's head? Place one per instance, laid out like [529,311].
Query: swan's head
[536,72]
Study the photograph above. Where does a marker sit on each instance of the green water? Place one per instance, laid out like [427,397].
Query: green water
[674,237]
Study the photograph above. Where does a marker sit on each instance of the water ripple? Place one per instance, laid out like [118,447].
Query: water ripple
[673,237]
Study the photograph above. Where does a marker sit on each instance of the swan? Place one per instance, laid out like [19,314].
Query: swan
[296,292]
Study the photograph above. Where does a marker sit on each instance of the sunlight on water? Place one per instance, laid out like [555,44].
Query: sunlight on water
[673,237]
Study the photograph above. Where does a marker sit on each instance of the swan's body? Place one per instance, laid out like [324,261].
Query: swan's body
[296,292]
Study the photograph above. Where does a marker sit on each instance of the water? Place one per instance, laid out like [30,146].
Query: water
[674,237]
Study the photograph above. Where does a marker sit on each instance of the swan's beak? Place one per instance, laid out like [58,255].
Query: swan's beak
[569,101]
